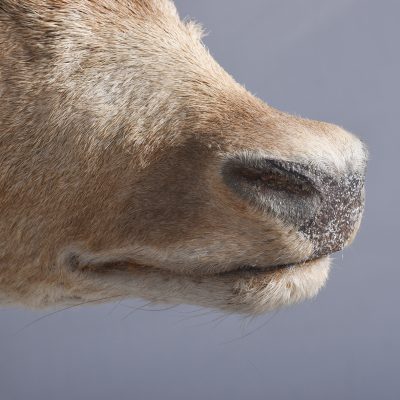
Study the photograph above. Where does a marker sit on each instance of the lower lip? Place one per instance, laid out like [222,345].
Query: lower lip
[281,267]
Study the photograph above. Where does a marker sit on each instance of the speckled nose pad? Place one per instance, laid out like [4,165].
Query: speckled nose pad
[326,208]
[333,225]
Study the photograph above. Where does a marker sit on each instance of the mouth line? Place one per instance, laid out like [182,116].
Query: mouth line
[249,270]
[126,266]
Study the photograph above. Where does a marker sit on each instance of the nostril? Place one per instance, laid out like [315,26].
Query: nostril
[284,189]
[277,176]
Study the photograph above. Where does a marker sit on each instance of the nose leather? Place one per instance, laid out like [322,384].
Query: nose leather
[340,211]
[325,207]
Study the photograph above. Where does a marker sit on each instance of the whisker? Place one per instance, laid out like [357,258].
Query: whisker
[114,308]
[253,331]
[218,318]
[195,316]
[134,309]
[61,310]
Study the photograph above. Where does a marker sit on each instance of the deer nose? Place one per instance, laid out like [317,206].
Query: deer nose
[325,207]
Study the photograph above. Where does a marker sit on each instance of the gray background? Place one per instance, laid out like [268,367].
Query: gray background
[335,60]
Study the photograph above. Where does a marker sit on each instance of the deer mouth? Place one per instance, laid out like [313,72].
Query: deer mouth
[245,290]
[252,270]
[108,265]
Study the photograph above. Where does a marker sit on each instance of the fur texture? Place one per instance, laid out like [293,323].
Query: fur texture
[115,123]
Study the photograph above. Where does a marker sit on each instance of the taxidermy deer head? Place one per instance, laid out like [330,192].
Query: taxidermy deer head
[133,165]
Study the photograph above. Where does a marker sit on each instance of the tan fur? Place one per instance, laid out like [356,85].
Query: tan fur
[114,122]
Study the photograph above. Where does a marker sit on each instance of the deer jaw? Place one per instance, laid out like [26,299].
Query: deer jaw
[135,166]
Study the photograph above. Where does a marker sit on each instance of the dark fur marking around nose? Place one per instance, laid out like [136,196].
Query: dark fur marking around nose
[324,208]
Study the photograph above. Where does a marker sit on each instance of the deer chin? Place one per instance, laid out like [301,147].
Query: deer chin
[246,290]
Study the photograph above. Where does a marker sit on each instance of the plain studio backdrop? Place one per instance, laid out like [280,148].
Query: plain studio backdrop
[334,60]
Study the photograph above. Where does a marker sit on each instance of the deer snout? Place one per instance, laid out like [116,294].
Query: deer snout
[326,207]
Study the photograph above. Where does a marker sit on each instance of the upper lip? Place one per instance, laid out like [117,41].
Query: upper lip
[255,269]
